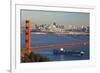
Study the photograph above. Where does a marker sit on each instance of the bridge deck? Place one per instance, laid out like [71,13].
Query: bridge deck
[59,45]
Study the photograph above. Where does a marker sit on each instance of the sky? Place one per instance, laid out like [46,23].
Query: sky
[48,17]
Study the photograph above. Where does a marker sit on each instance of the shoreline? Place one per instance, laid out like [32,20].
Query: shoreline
[71,33]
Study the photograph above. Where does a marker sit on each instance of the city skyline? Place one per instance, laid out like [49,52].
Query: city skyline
[48,17]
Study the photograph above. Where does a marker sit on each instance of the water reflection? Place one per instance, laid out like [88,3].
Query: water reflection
[61,57]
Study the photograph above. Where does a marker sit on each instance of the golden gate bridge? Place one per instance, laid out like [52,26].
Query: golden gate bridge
[30,48]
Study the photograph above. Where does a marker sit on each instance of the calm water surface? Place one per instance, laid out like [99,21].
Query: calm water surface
[51,39]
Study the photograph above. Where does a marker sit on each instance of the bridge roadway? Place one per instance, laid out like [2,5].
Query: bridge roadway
[59,45]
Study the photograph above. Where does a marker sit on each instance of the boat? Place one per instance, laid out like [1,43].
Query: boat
[62,51]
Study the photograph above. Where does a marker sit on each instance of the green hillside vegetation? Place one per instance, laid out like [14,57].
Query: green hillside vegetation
[32,57]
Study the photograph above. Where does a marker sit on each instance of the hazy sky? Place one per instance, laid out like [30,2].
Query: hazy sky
[48,17]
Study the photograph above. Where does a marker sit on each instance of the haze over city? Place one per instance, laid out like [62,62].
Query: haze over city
[61,18]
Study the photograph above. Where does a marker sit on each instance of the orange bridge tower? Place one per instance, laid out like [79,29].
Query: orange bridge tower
[28,40]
